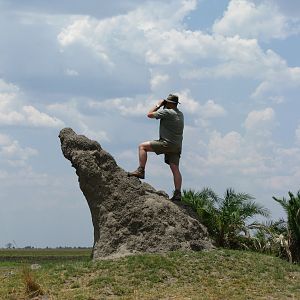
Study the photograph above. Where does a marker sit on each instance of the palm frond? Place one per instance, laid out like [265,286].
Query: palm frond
[292,209]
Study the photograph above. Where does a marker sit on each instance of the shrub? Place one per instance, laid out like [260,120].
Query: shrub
[32,288]
[292,232]
[225,218]
[270,238]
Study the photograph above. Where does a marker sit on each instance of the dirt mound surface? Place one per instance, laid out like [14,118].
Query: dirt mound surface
[129,216]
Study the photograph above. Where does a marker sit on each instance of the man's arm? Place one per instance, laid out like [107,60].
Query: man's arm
[154,109]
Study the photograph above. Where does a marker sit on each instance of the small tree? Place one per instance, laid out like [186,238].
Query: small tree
[270,237]
[9,245]
[292,234]
[225,218]
[204,203]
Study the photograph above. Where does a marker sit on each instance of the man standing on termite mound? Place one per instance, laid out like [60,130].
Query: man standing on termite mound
[169,143]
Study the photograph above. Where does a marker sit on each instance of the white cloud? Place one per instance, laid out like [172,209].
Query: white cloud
[99,135]
[232,159]
[158,80]
[229,154]
[6,87]
[212,110]
[250,20]
[14,112]
[126,106]
[71,72]
[239,58]
[288,182]
[208,110]
[73,32]
[236,154]
[251,160]
[277,82]
[77,120]
[189,104]
[259,119]
[289,8]
[23,175]
[236,57]
[221,150]
[150,34]
[12,153]
[37,118]
[144,31]
[139,106]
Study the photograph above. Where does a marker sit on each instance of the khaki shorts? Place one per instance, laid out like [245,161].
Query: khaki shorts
[172,152]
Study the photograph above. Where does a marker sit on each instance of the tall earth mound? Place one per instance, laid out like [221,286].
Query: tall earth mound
[129,216]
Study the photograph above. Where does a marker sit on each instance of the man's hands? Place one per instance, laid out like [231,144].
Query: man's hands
[154,109]
[161,103]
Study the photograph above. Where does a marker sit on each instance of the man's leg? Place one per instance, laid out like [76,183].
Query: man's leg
[177,176]
[143,149]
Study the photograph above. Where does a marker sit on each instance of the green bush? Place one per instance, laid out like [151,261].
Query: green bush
[270,238]
[225,218]
[292,229]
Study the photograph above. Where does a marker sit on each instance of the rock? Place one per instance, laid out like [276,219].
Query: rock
[129,216]
[41,297]
[35,266]
[9,274]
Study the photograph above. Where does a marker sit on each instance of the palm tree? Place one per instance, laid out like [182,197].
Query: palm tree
[235,210]
[204,203]
[292,209]
[226,219]
[271,237]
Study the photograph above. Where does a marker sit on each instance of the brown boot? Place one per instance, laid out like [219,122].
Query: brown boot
[176,196]
[139,173]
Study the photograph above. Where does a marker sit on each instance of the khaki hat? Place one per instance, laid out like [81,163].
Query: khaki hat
[172,98]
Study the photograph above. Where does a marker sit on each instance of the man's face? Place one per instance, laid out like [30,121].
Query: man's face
[169,105]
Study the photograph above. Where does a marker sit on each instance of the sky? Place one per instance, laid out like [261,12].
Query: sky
[99,66]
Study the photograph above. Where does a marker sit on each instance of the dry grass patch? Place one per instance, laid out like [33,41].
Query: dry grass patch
[32,288]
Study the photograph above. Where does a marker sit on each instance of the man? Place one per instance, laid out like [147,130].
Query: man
[169,143]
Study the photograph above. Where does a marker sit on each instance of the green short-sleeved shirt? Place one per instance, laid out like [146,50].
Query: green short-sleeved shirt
[171,125]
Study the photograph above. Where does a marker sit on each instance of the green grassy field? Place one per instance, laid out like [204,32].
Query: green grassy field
[218,274]
[19,255]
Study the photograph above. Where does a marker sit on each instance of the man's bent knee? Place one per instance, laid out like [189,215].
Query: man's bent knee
[146,146]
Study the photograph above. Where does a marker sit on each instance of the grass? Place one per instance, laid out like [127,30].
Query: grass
[17,255]
[32,288]
[218,274]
